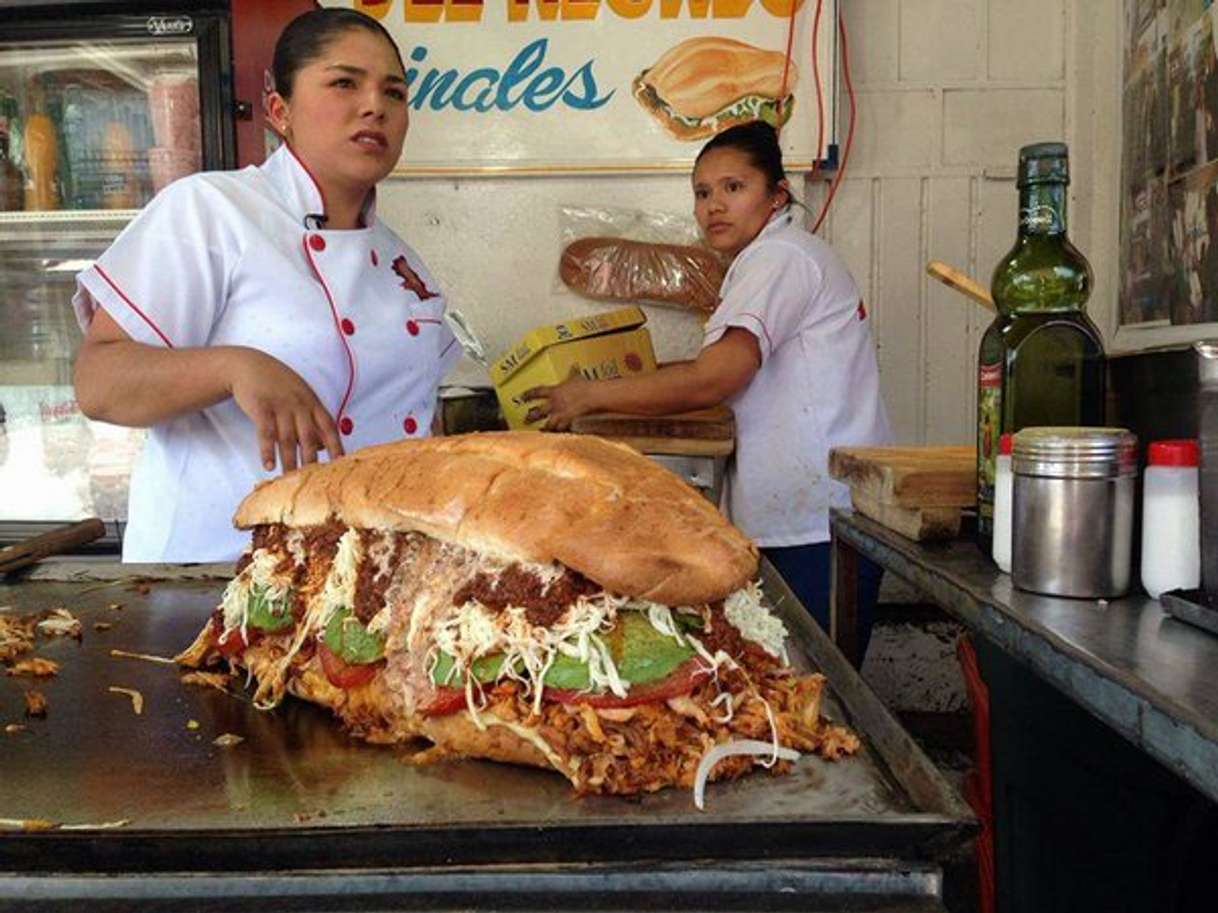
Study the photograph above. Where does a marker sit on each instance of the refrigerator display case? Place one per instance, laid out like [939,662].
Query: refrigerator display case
[100,108]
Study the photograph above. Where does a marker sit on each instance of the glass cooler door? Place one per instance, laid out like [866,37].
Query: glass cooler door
[90,129]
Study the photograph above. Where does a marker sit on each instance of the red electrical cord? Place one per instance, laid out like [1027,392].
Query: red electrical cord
[820,99]
[786,67]
[837,178]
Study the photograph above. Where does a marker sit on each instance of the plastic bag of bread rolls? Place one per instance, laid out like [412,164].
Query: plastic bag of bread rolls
[620,269]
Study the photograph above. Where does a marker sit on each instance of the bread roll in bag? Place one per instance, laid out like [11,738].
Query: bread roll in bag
[619,269]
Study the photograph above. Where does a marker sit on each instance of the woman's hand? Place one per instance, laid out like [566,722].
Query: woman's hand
[721,369]
[124,382]
[285,411]
[561,404]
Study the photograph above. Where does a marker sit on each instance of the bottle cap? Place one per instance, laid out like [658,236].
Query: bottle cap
[1044,163]
[1174,453]
[1004,443]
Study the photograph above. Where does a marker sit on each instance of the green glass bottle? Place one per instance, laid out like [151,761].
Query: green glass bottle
[1041,359]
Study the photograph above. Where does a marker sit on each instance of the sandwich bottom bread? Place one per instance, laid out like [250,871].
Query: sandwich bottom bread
[551,600]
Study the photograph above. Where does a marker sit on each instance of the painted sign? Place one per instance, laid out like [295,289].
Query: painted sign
[606,85]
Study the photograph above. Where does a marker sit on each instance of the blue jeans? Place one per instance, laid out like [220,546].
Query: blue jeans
[805,569]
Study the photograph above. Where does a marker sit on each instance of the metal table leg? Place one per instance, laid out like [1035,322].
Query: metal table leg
[844,599]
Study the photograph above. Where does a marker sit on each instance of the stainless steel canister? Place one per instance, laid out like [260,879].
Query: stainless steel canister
[1072,527]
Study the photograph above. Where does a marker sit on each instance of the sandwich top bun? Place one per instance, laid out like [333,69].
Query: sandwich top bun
[702,76]
[597,507]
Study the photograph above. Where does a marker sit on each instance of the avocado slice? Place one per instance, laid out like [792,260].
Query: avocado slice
[642,655]
[350,641]
[266,614]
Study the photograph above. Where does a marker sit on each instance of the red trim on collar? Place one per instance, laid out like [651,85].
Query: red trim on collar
[316,184]
[131,304]
[366,210]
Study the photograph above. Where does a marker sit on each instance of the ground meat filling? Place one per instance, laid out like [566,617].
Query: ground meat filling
[374,577]
[720,634]
[544,602]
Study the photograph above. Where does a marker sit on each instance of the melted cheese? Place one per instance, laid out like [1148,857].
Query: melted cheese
[474,631]
[754,621]
[260,573]
[380,553]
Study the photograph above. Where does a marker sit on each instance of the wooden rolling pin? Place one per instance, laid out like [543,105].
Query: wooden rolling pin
[953,278]
[54,542]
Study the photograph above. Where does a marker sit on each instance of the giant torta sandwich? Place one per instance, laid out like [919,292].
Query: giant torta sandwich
[543,599]
[705,85]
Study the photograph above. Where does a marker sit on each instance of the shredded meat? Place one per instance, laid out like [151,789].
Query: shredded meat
[16,635]
[657,745]
[543,603]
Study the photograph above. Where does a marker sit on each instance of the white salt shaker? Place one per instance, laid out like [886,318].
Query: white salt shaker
[1171,524]
[1004,486]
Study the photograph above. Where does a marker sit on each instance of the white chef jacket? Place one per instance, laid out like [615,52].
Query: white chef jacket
[818,385]
[235,258]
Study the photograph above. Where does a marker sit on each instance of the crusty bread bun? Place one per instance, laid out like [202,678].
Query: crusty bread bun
[620,269]
[701,76]
[607,512]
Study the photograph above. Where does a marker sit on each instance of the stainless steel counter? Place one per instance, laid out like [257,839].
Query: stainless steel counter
[1150,677]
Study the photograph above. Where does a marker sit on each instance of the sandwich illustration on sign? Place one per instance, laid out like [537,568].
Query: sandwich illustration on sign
[705,85]
[551,600]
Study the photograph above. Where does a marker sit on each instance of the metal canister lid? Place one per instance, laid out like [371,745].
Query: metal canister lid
[1207,362]
[1075,453]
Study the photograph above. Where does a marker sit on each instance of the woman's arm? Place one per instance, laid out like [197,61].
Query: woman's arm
[124,382]
[720,370]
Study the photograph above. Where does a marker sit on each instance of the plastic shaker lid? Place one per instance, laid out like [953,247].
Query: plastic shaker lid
[1174,453]
[1004,443]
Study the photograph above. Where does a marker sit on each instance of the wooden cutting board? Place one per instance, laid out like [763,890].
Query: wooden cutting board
[909,476]
[703,432]
[916,491]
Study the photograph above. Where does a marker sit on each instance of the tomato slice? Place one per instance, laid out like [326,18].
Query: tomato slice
[681,681]
[446,701]
[231,643]
[341,674]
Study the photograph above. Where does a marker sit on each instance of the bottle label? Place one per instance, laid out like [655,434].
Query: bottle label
[989,428]
[1040,219]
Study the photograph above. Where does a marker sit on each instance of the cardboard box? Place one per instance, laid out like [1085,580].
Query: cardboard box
[600,346]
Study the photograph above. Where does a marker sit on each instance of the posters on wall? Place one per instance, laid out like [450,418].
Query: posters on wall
[1169,203]
[520,86]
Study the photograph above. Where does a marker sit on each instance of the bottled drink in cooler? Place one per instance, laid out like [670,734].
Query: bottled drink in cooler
[41,163]
[1042,359]
[12,182]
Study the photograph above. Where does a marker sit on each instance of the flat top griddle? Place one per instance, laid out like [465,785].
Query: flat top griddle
[153,792]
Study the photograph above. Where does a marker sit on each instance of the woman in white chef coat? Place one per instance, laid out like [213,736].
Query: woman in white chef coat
[254,319]
[788,348]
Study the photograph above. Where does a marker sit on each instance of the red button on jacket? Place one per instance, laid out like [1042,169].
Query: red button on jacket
[348,326]
[410,426]
[346,426]
[412,328]
[317,242]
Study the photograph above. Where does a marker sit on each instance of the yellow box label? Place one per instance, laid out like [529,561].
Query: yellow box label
[597,356]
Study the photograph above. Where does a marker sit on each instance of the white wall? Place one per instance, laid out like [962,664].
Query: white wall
[947,91]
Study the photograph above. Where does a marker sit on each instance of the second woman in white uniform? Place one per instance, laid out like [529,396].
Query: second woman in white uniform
[789,348]
[254,319]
